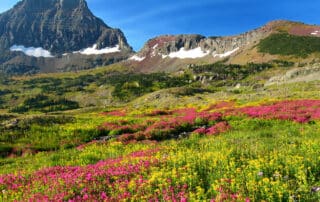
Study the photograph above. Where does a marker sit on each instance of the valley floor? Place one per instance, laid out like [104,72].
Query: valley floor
[165,138]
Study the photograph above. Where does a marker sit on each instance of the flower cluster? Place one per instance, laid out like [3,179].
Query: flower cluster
[227,168]
[121,127]
[109,180]
[301,111]
[165,125]
[218,128]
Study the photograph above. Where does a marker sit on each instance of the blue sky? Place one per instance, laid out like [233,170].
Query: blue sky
[141,20]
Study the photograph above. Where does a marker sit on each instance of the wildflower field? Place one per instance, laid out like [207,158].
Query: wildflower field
[268,151]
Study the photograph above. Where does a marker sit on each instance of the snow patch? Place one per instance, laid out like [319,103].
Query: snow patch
[183,54]
[94,51]
[317,32]
[31,51]
[226,54]
[154,52]
[137,58]
[155,46]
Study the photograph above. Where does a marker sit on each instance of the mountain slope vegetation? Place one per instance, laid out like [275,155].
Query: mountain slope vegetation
[286,44]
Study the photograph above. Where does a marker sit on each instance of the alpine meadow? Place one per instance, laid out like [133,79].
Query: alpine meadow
[188,117]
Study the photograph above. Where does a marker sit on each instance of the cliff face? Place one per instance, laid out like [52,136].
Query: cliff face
[56,35]
[164,45]
[59,26]
[172,52]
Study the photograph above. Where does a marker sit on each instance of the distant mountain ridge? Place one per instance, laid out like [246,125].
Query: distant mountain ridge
[171,52]
[42,36]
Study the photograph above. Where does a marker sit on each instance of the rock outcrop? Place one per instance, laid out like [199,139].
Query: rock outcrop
[301,74]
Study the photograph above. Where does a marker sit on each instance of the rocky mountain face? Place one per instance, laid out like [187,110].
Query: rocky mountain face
[63,35]
[166,52]
[165,45]
[53,29]
[169,44]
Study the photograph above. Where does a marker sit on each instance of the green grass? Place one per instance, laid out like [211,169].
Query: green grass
[65,92]
[49,133]
[43,103]
[68,157]
[286,44]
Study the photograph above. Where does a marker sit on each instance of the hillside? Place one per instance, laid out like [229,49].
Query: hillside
[168,138]
[210,133]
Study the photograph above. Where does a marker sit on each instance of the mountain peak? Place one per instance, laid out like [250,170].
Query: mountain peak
[72,3]
[57,35]
[36,5]
[59,26]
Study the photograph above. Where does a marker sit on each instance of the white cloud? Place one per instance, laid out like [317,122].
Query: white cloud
[31,51]
[94,51]
[183,54]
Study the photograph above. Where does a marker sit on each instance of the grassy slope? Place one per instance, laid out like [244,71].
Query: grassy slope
[25,132]
[265,160]
[286,44]
[101,87]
